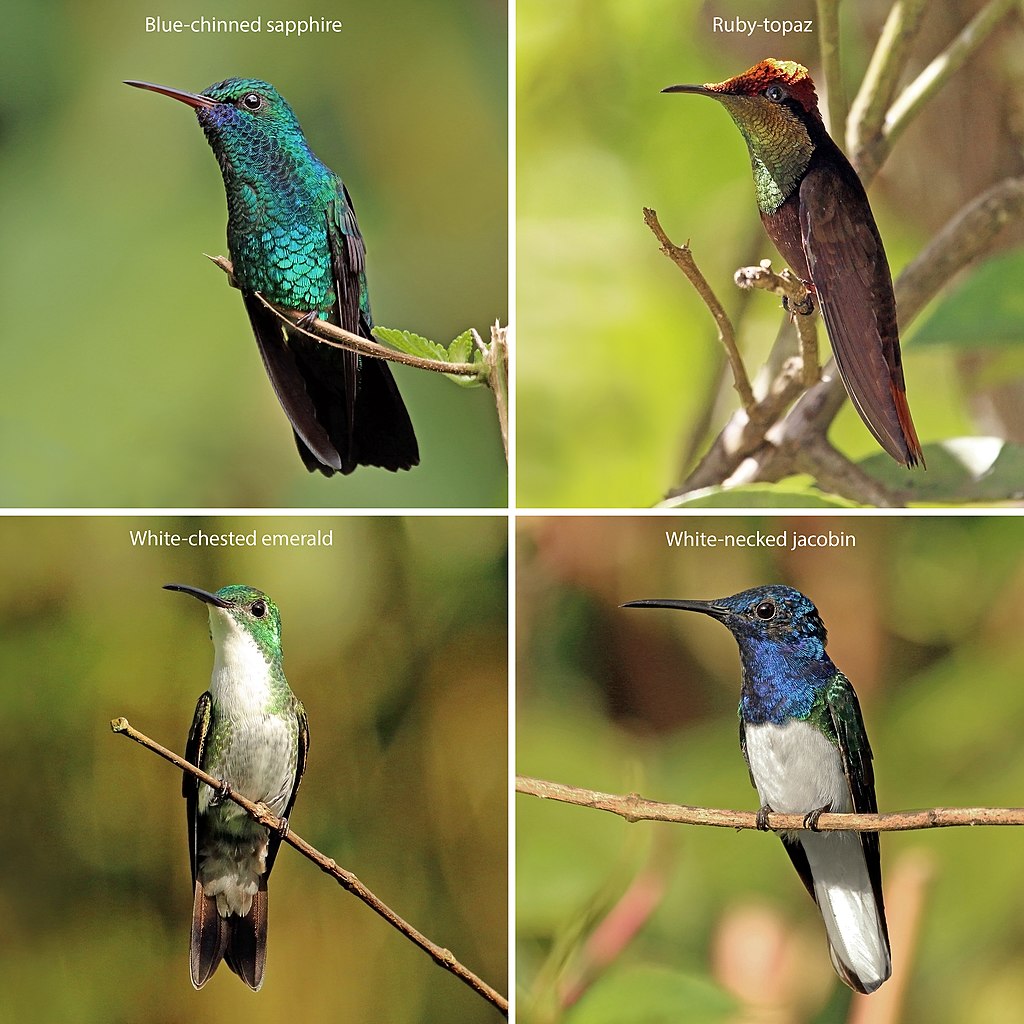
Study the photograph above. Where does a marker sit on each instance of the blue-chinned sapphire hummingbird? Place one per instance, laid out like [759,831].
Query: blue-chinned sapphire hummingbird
[293,237]
[803,738]
[250,731]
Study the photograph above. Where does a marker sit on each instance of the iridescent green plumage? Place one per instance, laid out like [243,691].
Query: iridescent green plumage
[293,237]
[249,730]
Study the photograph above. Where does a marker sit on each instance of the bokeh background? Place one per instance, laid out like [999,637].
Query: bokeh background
[657,922]
[131,377]
[620,374]
[395,641]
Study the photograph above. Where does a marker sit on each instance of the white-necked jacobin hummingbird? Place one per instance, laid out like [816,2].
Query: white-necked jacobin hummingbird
[803,738]
[250,731]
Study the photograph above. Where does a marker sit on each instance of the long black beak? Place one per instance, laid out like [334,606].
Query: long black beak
[191,98]
[716,611]
[202,595]
[701,90]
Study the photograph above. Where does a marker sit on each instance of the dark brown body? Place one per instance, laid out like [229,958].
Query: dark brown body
[825,231]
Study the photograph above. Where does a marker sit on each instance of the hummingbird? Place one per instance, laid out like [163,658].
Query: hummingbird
[816,212]
[293,237]
[803,739]
[249,730]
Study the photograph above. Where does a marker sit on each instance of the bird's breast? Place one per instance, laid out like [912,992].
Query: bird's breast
[796,768]
[783,228]
[255,754]
[277,237]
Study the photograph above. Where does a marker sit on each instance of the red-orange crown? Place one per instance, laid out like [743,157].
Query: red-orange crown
[756,79]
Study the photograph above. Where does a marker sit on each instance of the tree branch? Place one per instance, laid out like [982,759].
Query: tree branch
[682,257]
[867,112]
[348,881]
[793,292]
[633,808]
[938,72]
[828,34]
[338,337]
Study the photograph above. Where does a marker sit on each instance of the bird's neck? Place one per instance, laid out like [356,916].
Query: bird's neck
[243,677]
[782,681]
[781,146]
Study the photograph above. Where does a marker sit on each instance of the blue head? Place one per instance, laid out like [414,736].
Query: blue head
[247,122]
[782,647]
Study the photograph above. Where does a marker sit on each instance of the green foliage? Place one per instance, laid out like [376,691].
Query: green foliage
[984,311]
[652,995]
[461,350]
[962,470]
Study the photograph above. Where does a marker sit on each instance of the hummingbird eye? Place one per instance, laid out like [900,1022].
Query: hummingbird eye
[252,101]
[775,93]
[259,609]
[765,610]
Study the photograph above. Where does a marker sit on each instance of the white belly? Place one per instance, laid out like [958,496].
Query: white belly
[796,768]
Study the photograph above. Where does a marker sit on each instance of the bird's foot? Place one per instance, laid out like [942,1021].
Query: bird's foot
[221,793]
[803,307]
[762,818]
[283,830]
[811,818]
[306,321]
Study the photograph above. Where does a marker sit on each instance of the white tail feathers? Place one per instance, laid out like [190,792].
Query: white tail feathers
[842,888]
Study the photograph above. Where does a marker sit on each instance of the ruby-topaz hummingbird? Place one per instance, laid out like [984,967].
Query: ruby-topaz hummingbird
[293,237]
[249,730]
[803,738]
[816,212]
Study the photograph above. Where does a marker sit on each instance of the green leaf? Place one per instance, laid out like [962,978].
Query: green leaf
[461,350]
[986,310]
[759,496]
[412,344]
[960,469]
[652,995]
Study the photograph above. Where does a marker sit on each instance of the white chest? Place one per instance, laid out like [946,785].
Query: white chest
[795,768]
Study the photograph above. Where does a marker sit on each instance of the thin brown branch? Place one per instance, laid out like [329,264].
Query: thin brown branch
[634,807]
[338,337]
[793,291]
[682,257]
[348,881]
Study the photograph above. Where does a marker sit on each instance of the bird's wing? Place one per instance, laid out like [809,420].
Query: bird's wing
[743,748]
[194,750]
[348,255]
[378,423]
[855,754]
[847,264]
[300,768]
[288,382]
[348,261]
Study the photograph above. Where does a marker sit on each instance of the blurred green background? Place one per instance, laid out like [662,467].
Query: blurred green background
[395,641]
[923,616]
[620,374]
[131,374]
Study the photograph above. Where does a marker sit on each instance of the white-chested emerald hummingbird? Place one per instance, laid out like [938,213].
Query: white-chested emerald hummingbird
[804,742]
[249,731]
